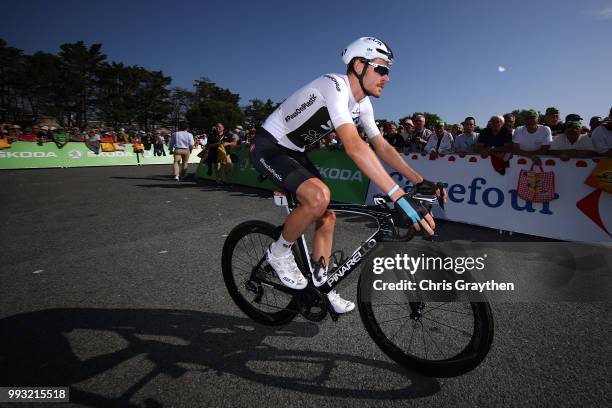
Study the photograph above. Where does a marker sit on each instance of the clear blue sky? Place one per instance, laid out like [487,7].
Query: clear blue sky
[556,53]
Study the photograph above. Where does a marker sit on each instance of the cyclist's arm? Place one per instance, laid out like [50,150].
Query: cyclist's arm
[365,158]
[390,156]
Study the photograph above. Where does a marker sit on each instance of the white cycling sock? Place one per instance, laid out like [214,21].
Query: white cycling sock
[281,247]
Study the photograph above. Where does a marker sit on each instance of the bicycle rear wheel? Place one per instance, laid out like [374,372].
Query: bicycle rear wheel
[244,268]
[438,339]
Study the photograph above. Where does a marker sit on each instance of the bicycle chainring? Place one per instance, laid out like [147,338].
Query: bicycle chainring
[311,304]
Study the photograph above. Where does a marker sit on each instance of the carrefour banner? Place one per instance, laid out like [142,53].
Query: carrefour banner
[26,155]
[345,181]
[477,194]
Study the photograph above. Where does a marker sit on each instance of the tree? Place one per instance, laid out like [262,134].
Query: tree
[152,98]
[42,85]
[11,69]
[257,111]
[182,100]
[212,105]
[79,68]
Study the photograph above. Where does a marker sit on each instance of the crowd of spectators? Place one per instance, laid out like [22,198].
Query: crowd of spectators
[61,136]
[546,135]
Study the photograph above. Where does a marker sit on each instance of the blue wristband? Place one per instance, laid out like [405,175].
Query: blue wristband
[392,191]
[414,216]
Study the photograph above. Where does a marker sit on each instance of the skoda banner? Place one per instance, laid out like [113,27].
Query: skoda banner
[346,182]
[26,155]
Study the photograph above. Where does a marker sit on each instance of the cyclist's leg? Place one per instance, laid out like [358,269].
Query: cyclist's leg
[324,227]
[324,237]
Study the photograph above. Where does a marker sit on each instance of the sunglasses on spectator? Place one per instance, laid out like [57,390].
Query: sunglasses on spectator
[380,69]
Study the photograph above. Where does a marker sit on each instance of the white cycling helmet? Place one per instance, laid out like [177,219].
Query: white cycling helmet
[368,48]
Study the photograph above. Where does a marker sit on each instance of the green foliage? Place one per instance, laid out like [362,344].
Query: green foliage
[257,111]
[213,104]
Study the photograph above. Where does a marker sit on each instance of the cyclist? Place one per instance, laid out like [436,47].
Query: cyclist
[341,103]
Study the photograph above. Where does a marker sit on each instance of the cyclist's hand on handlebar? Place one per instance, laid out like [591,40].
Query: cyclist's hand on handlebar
[427,187]
[415,213]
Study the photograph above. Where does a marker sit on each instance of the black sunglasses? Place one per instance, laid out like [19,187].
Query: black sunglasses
[381,70]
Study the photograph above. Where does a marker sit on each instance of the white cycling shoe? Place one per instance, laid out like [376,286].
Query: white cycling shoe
[340,305]
[287,270]
[319,277]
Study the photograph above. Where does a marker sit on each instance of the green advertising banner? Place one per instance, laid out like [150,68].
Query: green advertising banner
[27,155]
[346,182]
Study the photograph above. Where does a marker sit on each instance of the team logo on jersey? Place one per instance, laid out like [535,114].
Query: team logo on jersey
[334,80]
[302,108]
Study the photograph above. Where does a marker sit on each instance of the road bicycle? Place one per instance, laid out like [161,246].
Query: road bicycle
[435,338]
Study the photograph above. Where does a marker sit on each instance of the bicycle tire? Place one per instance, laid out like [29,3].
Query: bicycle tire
[236,276]
[464,360]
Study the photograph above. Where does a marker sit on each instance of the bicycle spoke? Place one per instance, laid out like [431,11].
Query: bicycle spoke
[391,300]
[448,310]
[423,337]
[436,344]
[450,327]
[387,321]
[398,330]
[414,323]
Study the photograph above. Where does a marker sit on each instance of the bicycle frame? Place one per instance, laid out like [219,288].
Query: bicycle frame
[381,214]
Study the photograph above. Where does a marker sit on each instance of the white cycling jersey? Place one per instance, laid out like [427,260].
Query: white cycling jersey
[316,110]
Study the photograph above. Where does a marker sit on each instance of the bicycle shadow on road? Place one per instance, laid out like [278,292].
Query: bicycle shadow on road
[66,347]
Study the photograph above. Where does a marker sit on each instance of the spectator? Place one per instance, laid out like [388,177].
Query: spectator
[60,137]
[532,139]
[594,123]
[420,135]
[602,137]
[14,132]
[181,145]
[509,122]
[92,141]
[202,140]
[441,141]
[121,137]
[551,119]
[233,137]
[406,132]
[466,141]
[495,138]
[214,141]
[571,143]
[224,160]
[392,136]
[250,135]
[160,140]
[147,141]
[4,140]
[28,135]
[77,135]
[43,135]
[239,130]
[456,130]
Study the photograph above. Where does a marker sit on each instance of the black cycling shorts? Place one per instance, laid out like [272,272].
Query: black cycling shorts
[284,167]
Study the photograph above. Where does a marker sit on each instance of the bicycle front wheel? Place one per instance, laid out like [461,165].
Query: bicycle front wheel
[245,272]
[438,339]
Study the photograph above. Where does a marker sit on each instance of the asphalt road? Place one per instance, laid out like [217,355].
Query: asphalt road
[110,283]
